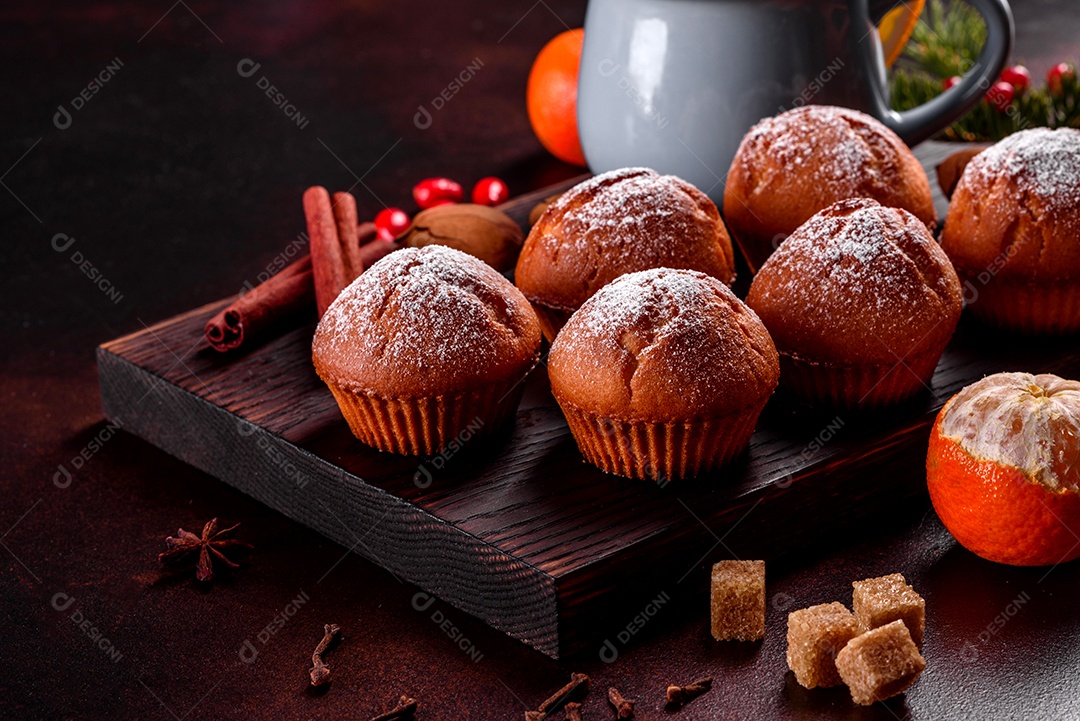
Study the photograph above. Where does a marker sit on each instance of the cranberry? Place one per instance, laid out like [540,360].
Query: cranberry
[1000,95]
[490,191]
[949,82]
[1017,76]
[391,222]
[436,191]
[1057,75]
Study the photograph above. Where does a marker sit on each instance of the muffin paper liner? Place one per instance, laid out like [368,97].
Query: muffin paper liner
[857,386]
[660,451]
[423,426]
[1037,309]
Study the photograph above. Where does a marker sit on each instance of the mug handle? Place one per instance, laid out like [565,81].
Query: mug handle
[924,121]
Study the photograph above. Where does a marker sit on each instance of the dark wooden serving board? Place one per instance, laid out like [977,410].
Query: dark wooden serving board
[517,530]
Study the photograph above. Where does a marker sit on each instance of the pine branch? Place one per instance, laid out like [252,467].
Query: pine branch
[946,43]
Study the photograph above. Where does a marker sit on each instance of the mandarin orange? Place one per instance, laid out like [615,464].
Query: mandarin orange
[551,96]
[1003,468]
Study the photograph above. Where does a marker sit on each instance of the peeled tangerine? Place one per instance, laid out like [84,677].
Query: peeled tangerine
[1004,468]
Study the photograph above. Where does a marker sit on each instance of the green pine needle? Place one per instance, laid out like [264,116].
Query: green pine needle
[946,42]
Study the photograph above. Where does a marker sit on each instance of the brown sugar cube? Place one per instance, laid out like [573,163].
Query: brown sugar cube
[814,636]
[738,600]
[880,663]
[878,601]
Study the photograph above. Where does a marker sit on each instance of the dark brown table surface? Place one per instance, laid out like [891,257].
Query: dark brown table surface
[179,179]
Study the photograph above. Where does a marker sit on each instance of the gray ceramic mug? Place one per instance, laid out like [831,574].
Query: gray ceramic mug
[675,84]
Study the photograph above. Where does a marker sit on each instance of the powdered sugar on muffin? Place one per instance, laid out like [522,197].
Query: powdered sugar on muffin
[858,282]
[1012,231]
[791,166]
[788,139]
[1044,162]
[425,320]
[615,223]
[627,207]
[664,341]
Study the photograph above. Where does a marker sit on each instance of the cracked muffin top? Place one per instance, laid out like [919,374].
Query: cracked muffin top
[1014,215]
[615,223]
[858,283]
[663,345]
[789,167]
[426,322]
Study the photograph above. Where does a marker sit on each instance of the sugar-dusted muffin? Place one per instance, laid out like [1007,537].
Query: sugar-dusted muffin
[662,374]
[1013,232]
[427,343]
[860,301]
[804,160]
[615,223]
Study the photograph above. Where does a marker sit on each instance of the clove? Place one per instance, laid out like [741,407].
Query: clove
[624,707]
[678,695]
[575,690]
[320,673]
[405,709]
[573,711]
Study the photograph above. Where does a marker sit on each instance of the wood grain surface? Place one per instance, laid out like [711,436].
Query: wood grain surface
[517,530]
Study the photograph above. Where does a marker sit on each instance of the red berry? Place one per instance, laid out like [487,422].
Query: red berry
[490,191]
[949,82]
[390,222]
[1000,95]
[434,191]
[1017,76]
[1057,74]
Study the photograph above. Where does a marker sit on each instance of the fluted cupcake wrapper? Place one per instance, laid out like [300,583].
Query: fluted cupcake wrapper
[1034,308]
[660,451]
[422,426]
[857,386]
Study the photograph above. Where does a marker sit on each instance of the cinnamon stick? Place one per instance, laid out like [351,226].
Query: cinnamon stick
[346,220]
[291,290]
[327,258]
[282,296]
[341,249]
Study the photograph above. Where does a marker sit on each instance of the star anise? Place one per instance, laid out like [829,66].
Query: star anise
[209,547]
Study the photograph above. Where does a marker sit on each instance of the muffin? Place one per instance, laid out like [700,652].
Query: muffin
[427,345]
[662,374]
[802,161]
[616,223]
[860,301]
[1013,232]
